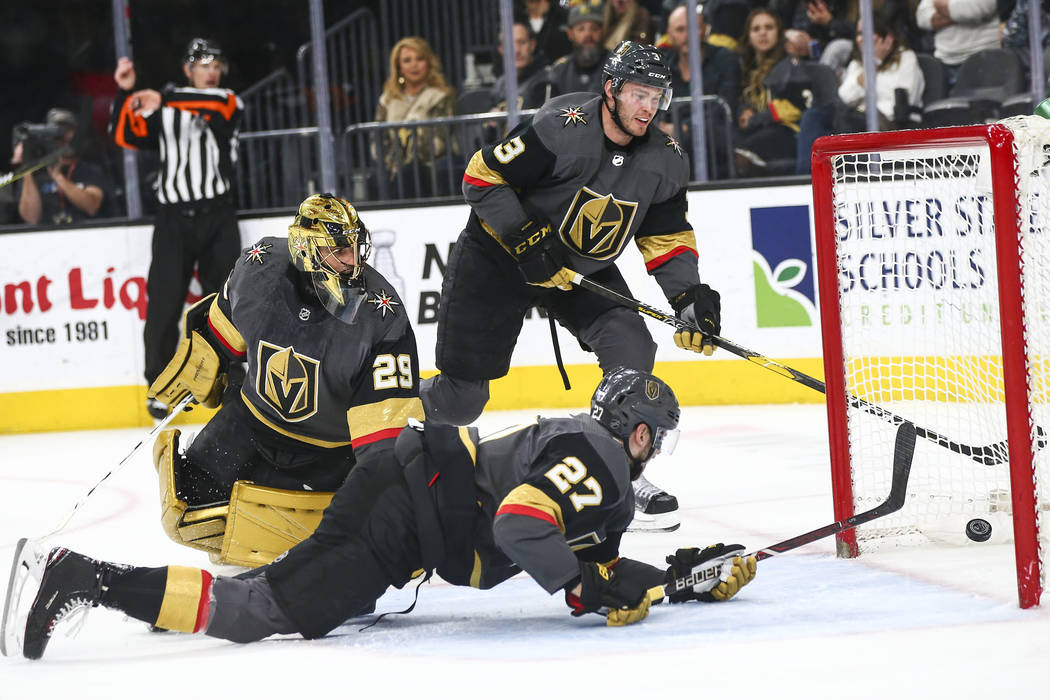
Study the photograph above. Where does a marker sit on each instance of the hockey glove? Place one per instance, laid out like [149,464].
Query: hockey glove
[715,573]
[541,257]
[196,370]
[600,589]
[701,306]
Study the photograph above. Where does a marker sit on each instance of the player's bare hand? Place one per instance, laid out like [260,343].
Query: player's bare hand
[144,101]
[125,73]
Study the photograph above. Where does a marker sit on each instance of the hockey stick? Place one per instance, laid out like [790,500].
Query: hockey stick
[30,553]
[903,451]
[175,411]
[988,455]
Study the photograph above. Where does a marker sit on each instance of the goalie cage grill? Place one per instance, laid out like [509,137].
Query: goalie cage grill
[936,243]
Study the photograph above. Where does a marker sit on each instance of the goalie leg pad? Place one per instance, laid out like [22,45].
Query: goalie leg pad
[201,528]
[264,521]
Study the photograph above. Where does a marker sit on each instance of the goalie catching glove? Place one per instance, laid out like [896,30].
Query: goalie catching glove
[196,368]
[701,306]
[713,574]
[541,258]
[601,590]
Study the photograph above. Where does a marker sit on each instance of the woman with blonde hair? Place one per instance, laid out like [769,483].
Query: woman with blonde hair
[414,90]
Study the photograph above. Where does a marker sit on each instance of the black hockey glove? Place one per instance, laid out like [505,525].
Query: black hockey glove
[627,602]
[541,257]
[701,306]
[715,573]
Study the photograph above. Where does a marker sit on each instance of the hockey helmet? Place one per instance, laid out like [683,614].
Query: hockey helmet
[203,51]
[323,229]
[626,397]
[638,63]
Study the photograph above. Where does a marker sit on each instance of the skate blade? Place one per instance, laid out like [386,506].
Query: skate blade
[664,522]
[27,565]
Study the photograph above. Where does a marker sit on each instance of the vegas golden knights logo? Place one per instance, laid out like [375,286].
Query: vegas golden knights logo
[652,389]
[597,225]
[287,381]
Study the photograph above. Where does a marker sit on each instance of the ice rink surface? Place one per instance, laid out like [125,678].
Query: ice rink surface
[924,623]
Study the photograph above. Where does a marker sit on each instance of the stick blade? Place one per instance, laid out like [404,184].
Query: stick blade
[903,454]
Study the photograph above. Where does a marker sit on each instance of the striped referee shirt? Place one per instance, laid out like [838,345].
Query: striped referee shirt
[195,132]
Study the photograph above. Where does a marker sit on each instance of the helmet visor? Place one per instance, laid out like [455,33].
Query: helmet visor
[339,295]
[638,95]
[665,440]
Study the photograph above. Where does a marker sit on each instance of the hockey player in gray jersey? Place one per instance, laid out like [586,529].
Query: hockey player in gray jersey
[332,378]
[566,193]
[551,498]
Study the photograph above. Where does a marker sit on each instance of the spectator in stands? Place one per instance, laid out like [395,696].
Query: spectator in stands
[68,190]
[533,74]
[768,115]
[960,29]
[1015,32]
[823,30]
[626,20]
[548,21]
[899,83]
[415,89]
[725,20]
[720,67]
[581,71]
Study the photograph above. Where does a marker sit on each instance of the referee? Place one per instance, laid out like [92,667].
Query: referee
[194,129]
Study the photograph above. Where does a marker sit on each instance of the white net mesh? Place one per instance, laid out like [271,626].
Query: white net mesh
[918,290]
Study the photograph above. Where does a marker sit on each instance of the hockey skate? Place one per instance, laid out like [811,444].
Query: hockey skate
[655,510]
[70,586]
[27,567]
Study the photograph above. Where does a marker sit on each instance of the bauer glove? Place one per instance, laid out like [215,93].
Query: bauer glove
[715,573]
[602,591]
[701,306]
[540,256]
[195,369]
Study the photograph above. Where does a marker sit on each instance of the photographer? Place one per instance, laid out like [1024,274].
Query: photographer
[68,190]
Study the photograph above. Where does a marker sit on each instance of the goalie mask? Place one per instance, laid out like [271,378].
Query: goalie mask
[330,245]
[627,397]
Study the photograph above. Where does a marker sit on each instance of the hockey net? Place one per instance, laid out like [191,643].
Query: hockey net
[934,268]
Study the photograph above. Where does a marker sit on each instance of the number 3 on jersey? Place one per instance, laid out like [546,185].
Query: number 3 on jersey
[509,150]
[569,472]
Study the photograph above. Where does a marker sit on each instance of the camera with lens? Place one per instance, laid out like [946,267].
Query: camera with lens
[38,140]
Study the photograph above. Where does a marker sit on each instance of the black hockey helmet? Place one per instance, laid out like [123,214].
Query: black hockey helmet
[324,225]
[638,63]
[626,397]
[204,51]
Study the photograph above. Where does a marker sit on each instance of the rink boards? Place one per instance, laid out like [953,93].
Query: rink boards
[72,305]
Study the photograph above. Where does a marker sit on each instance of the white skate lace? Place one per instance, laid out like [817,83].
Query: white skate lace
[75,610]
[644,491]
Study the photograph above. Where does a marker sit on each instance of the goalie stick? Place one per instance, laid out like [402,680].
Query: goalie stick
[988,455]
[903,451]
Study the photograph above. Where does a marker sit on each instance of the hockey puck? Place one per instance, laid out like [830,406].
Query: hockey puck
[979,530]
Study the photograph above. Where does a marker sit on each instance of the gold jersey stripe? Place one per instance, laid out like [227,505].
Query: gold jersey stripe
[472,449]
[531,497]
[374,417]
[182,597]
[225,328]
[288,433]
[477,168]
[475,573]
[653,247]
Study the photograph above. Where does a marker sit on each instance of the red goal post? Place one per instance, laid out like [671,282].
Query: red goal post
[934,277]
